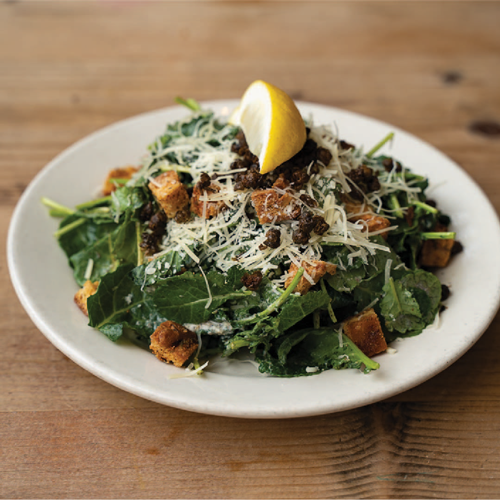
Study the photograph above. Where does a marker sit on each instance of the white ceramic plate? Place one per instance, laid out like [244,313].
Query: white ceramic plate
[45,284]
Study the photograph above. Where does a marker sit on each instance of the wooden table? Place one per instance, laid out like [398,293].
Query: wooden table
[67,69]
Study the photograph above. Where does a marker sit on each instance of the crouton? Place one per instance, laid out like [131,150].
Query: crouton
[173,343]
[365,331]
[213,208]
[124,173]
[84,293]
[361,211]
[375,223]
[436,253]
[316,271]
[272,207]
[169,192]
[281,182]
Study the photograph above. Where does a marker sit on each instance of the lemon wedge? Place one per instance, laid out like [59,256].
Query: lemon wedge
[273,127]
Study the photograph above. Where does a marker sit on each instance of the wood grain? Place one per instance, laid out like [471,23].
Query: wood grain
[67,69]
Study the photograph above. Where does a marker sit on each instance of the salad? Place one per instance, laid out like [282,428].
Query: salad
[316,264]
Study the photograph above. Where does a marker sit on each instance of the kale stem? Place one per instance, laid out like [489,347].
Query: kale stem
[439,236]
[332,314]
[426,207]
[377,146]
[189,103]
[278,302]
[177,168]
[369,363]
[93,203]
[69,227]
[316,320]
[238,344]
[140,255]
[57,208]
[282,299]
[396,206]
[58,213]
[330,308]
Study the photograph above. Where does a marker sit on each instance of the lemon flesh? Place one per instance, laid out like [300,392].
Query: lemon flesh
[273,127]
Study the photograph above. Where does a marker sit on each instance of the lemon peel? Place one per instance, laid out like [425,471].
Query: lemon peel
[272,124]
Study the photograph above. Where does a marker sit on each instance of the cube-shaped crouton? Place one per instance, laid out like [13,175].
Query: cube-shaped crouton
[272,207]
[84,293]
[436,253]
[169,192]
[375,223]
[362,211]
[365,331]
[173,343]
[316,271]
[212,208]
[123,173]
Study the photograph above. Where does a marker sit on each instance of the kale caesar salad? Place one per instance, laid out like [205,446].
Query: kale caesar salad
[264,234]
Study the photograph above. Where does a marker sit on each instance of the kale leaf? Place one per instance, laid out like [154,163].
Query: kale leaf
[411,303]
[186,299]
[120,303]
[113,249]
[83,236]
[310,351]
[161,268]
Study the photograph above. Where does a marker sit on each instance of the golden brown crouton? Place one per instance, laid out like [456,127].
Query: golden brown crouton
[173,343]
[281,182]
[84,293]
[213,208]
[375,223]
[169,192]
[436,253]
[365,331]
[274,207]
[361,211]
[316,270]
[124,173]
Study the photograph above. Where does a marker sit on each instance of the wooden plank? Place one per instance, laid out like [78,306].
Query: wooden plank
[402,450]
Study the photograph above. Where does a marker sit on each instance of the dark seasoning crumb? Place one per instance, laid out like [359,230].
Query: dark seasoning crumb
[252,281]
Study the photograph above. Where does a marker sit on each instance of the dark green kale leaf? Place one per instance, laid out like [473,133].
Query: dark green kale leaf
[127,200]
[184,298]
[411,302]
[82,236]
[297,307]
[368,291]
[310,351]
[265,327]
[350,274]
[259,300]
[120,303]
[426,288]
[161,268]
[400,309]
[113,249]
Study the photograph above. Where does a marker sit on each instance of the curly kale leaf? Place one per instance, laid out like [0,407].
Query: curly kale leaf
[120,303]
[411,303]
[186,298]
[272,325]
[127,200]
[83,236]
[310,351]
[352,272]
[161,268]
[107,253]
